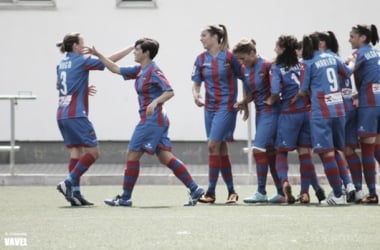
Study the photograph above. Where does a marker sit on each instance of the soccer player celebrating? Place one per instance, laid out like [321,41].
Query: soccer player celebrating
[77,131]
[219,69]
[367,78]
[151,133]
[257,87]
[293,130]
[319,79]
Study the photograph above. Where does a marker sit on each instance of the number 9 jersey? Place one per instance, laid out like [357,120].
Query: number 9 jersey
[319,77]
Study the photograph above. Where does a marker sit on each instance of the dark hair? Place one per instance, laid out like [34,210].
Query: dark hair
[370,31]
[289,56]
[330,39]
[310,43]
[221,32]
[245,46]
[68,41]
[148,44]
[299,45]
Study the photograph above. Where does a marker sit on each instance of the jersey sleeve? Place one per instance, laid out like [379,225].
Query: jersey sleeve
[130,72]
[91,63]
[343,70]
[196,75]
[275,80]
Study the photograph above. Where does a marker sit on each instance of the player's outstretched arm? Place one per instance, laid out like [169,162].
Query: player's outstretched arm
[110,65]
[121,54]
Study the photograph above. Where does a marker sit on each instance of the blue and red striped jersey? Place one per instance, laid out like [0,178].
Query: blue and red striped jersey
[150,83]
[320,77]
[286,83]
[346,87]
[72,84]
[219,74]
[367,75]
[257,82]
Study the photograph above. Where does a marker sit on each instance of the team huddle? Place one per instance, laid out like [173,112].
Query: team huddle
[308,99]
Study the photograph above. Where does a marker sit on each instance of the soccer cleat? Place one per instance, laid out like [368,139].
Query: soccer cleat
[195,196]
[207,198]
[75,202]
[232,198]
[304,198]
[332,200]
[373,199]
[79,200]
[350,193]
[286,188]
[256,198]
[277,198]
[65,188]
[320,193]
[118,201]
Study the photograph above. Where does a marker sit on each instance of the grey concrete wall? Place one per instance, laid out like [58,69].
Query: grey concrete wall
[112,152]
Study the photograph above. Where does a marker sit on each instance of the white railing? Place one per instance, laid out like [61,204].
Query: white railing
[12,148]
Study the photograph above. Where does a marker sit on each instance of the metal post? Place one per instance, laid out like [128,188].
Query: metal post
[13,143]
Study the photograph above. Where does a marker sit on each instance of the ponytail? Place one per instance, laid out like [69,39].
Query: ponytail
[374,35]
[221,32]
[307,48]
[332,42]
[224,45]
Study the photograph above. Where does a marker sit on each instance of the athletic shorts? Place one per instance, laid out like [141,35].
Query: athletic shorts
[220,125]
[352,129]
[150,138]
[368,121]
[293,131]
[327,134]
[78,132]
[266,129]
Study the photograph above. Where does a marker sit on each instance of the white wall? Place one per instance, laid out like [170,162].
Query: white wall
[28,54]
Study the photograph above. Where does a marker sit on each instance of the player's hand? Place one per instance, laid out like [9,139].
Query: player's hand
[86,50]
[92,90]
[355,102]
[198,100]
[269,101]
[240,105]
[298,95]
[245,112]
[92,51]
[150,108]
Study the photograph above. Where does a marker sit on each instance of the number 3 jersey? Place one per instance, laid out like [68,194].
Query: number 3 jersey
[320,77]
[72,84]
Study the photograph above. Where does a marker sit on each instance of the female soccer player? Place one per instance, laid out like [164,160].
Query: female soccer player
[219,69]
[367,79]
[257,88]
[293,130]
[329,44]
[319,78]
[77,131]
[151,133]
